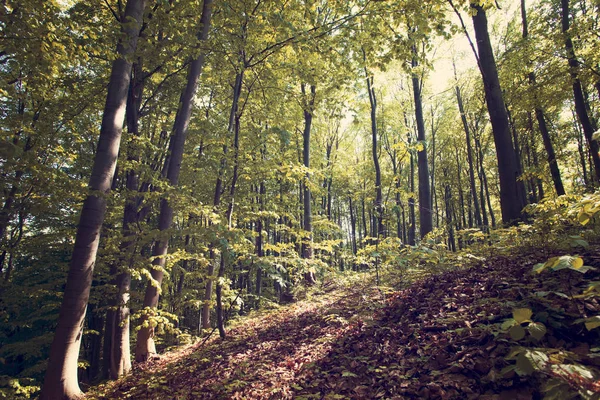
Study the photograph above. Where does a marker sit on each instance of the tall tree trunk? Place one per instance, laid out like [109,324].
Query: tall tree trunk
[483,177]
[550,154]
[510,188]
[412,229]
[380,230]
[461,197]
[541,119]
[587,123]
[117,356]
[434,196]
[262,191]
[449,227]
[352,224]
[364,219]
[580,150]
[307,250]
[145,345]
[425,212]
[234,178]
[518,153]
[61,375]
[463,118]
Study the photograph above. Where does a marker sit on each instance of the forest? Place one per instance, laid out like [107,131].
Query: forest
[308,199]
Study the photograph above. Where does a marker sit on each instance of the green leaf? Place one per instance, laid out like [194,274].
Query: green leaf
[537,330]
[522,315]
[592,322]
[524,366]
[516,332]
[348,373]
[506,325]
[539,268]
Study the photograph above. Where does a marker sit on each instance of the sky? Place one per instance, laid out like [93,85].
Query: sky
[442,75]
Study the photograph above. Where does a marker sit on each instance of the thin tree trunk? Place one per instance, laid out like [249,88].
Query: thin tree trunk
[117,355]
[483,176]
[510,188]
[449,227]
[539,115]
[425,212]
[434,196]
[461,197]
[587,122]
[581,152]
[412,229]
[463,118]
[352,225]
[259,240]
[61,375]
[236,150]
[145,345]
[307,250]
[378,193]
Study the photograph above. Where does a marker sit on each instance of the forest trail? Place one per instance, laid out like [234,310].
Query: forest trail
[439,337]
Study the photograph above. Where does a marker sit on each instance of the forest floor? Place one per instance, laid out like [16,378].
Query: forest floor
[439,337]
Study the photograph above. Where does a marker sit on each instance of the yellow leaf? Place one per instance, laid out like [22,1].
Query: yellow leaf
[583,217]
[576,262]
[522,315]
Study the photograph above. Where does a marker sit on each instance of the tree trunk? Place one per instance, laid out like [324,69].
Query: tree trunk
[434,196]
[461,197]
[116,349]
[61,375]
[379,229]
[262,191]
[412,229]
[581,152]
[235,115]
[449,227]
[483,177]
[539,115]
[510,188]
[587,123]
[307,250]
[145,345]
[425,211]
[352,225]
[463,118]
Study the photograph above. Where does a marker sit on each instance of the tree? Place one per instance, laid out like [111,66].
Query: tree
[308,110]
[145,338]
[510,187]
[587,122]
[425,207]
[61,376]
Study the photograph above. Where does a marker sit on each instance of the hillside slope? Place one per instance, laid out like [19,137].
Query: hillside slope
[441,337]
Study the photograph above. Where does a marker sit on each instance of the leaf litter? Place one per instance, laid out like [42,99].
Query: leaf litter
[439,338]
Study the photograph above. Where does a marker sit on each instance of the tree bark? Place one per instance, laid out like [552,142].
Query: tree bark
[425,211]
[307,250]
[117,357]
[412,229]
[379,229]
[235,116]
[352,224]
[510,188]
[61,375]
[463,118]
[145,345]
[587,122]
[449,227]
